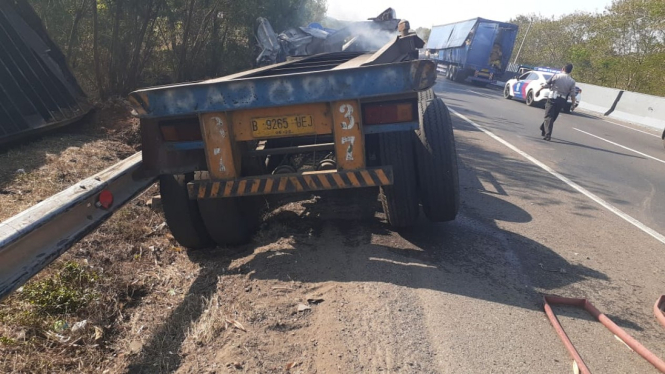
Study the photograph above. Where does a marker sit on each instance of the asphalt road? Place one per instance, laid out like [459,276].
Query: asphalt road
[621,163]
[577,217]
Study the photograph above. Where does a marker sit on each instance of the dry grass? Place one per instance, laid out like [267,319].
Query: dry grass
[137,301]
[72,315]
[129,258]
[33,171]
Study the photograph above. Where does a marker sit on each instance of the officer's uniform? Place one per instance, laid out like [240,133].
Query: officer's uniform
[561,86]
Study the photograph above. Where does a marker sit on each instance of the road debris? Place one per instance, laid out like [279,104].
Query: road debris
[236,365]
[135,347]
[303,308]
[235,324]
[79,326]
[99,333]
[282,288]
[314,300]
[658,309]
[291,365]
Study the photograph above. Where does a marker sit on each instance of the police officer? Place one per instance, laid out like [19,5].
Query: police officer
[561,87]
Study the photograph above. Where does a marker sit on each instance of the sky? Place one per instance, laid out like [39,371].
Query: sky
[425,13]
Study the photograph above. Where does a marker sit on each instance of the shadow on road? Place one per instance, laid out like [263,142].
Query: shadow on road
[567,142]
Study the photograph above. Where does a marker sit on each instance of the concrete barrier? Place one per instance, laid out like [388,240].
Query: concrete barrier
[596,98]
[640,108]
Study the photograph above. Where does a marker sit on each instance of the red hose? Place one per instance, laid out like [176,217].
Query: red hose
[616,330]
[658,309]
[562,334]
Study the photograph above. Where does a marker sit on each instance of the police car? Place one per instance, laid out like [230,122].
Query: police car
[526,86]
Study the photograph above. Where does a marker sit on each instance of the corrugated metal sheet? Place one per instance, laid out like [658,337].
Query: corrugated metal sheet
[37,90]
[452,35]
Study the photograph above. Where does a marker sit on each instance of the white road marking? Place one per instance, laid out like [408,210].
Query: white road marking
[622,146]
[482,94]
[630,128]
[600,117]
[462,88]
[572,184]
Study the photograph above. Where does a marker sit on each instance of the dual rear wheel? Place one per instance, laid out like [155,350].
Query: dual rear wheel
[198,224]
[424,172]
[424,167]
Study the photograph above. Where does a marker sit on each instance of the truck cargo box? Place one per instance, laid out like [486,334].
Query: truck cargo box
[477,49]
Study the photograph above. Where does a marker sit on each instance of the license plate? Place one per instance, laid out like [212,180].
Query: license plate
[267,127]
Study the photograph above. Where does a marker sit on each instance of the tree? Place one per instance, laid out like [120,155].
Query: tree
[623,47]
[116,46]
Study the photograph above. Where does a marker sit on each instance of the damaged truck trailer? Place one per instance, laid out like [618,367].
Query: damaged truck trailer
[336,120]
[477,50]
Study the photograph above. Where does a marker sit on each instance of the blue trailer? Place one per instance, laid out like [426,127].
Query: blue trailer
[477,50]
[341,120]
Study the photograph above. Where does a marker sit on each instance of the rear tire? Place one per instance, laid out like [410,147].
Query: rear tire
[436,159]
[182,214]
[529,99]
[459,76]
[400,200]
[230,221]
[506,92]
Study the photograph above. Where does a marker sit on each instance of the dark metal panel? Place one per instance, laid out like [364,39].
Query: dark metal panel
[160,157]
[37,90]
[391,127]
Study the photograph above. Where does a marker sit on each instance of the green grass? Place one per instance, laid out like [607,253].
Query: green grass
[7,341]
[69,290]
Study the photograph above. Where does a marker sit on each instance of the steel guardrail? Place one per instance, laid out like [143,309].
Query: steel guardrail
[32,239]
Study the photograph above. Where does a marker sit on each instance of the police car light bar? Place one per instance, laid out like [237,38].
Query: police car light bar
[547,69]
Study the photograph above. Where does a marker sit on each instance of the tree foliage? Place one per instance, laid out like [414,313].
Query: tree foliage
[622,47]
[115,46]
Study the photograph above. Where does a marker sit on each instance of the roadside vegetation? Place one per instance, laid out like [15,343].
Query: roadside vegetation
[623,47]
[116,46]
[66,317]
